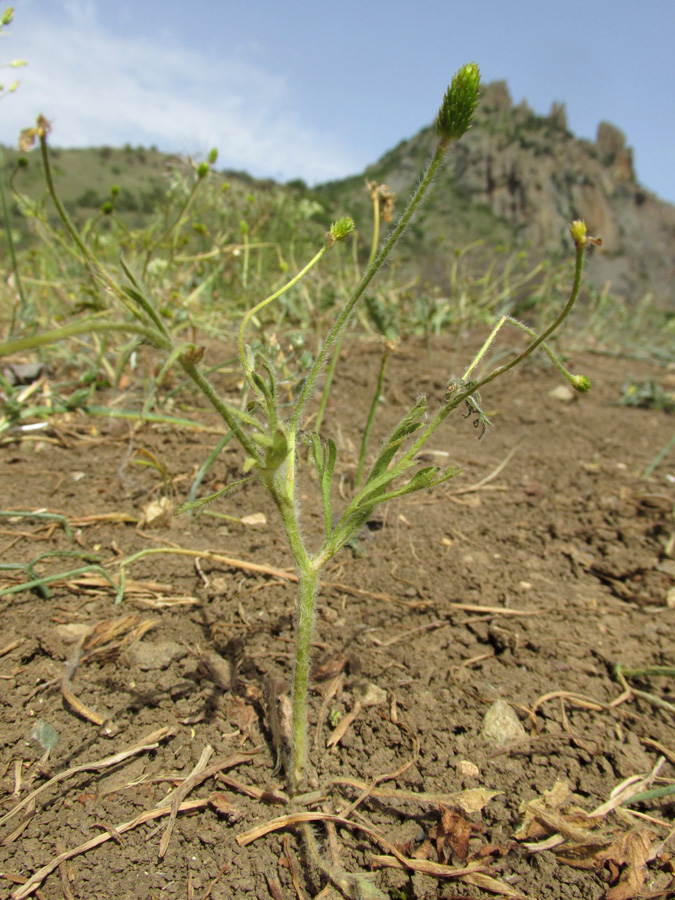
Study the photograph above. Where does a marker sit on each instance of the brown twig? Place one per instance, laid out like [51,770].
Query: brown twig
[150,742]
[38,877]
[200,773]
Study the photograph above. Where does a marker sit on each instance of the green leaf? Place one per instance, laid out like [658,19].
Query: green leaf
[408,425]
[425,479]
[276,448]
[203,501]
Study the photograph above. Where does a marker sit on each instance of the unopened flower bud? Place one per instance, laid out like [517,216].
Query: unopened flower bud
[202,170]
[107,208]
[213,155]
[340,229]
[459,104]
[581,383]
[580,236]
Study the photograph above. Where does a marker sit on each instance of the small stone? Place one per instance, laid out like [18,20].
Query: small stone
[562,392]
[501,725]
[254,519]
[157,513]
[44,735]
[148,656]
[72,631]
[466,769]
[370,694]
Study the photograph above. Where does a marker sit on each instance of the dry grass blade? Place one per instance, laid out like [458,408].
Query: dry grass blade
[181,793]
[17,879]
[38,877]
[471,488]
[494,886]
[21,827]
[576,699]
[470,874]
[11,646]
[665,751]
[150,742]
[265,796]
[497,610]
[629,788]
[200,773]
[470,800]
[104,640]
[426,866]
[389,776]
[89,714]
[295,819]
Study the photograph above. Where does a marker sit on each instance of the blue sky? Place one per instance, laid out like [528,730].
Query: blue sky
[319,90]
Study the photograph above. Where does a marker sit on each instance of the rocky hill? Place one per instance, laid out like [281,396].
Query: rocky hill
[522,178]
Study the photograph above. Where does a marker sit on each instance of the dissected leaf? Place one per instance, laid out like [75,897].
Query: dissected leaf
[631,850]
[452,836]
[202,501]
[408,425]
[474,799]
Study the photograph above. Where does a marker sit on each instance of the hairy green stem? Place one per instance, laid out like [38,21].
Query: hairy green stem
[227,412]
[308,583]
[10,246]
[461,396]
[86,327]
[371,417]
[341,322]
[263,303]
[328,381]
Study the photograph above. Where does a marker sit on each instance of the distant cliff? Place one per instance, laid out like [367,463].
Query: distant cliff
[522,178]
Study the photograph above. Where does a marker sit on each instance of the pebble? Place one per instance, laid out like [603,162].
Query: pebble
[563,393]
[501,725]
[466,769]
[159,655]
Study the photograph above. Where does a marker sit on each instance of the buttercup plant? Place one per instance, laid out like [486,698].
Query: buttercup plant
[270,429]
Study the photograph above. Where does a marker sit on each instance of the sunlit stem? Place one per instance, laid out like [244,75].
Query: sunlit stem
[86,327]
[376,228]
[371,417]
[228,413]
[95,268]
[461,396]
[263,303]
[328,381]
[308,582]
[574,293]
[343,318]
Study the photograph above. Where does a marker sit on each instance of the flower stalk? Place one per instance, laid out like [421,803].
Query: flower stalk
[269,432]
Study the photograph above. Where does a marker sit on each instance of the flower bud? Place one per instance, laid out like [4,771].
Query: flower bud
[578,232]
[581,383]
[107,208]
[202,170]
[213,155]
[459,104]
[580,236]
[341,228]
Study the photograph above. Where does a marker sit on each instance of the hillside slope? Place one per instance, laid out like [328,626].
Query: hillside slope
[521,178]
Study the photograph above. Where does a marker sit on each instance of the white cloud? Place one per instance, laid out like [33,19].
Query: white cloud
[99,89]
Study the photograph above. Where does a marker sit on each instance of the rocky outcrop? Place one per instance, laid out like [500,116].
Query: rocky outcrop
[536,177]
